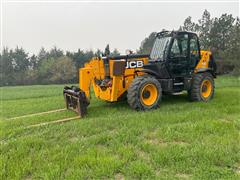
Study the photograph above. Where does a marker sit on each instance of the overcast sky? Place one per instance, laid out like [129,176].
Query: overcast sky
[70,26]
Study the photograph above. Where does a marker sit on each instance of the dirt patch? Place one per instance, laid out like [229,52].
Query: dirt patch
[237,169]
[152,138]
[183,176]
[151,134]
[100,147]
[143,155]
[179,143]
[161,142]
[119,177]
[158,172]
[29,177]
[225,120]
[156,141]
[73,139]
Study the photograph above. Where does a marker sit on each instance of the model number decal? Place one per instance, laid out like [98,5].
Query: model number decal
[134,64]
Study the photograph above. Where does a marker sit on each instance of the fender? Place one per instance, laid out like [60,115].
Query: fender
[148,71]
[201,70]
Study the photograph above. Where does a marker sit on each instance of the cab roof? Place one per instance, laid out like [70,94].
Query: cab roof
[173,33]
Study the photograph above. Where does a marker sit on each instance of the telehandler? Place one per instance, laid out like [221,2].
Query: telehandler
[176,63]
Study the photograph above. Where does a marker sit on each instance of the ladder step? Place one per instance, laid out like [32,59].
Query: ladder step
[177,84]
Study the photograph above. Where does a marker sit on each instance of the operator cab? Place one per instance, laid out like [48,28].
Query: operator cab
[179,51]
[174,56]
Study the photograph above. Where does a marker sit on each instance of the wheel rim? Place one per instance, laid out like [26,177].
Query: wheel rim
[206,88]
[149,94]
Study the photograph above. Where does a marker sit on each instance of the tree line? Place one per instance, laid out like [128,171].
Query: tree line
[17,67]
[47,67]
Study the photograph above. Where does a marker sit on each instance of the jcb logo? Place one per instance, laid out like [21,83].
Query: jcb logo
[134,64]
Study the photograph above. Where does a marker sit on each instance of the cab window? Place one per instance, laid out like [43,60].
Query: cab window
[194,50]
[179,47]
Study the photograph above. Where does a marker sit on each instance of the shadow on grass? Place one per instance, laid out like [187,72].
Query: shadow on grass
[174,99]
[101,108]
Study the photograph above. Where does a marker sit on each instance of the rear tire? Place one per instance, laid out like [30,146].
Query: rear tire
[202,88]
[144,93]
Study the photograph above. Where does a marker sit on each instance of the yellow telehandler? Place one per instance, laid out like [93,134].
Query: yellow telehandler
[175,64]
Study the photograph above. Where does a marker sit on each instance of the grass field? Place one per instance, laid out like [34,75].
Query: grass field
[180,140]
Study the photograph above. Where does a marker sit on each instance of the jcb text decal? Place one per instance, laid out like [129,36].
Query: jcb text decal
[134,64]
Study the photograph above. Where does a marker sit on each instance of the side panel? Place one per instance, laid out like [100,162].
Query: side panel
[85,78]
[116,88]
[94,70]
[204,61]
[121,83]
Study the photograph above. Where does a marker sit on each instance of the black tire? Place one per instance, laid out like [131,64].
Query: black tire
[196,93]
[136,94]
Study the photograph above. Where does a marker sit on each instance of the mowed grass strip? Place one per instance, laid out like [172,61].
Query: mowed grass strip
[29,92]
[15,108]
[180,140]
[23,100]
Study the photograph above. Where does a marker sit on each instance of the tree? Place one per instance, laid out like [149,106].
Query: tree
[115,52]
[221,31]
[44,72]
[6,68]
[76,56]
[20,61]
[43,54]
[203,28]
[147,43]
[80,58]
[55,53]
[98,53]
[233,52]
[63,70]
[33,61]
[188,25]
[234,44]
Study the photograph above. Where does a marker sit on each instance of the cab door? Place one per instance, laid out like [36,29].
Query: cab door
[194,52]
[178,56]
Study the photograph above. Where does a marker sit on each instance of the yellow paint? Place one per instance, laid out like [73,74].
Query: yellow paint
[149,94]
[204,61]
[87,74]
[95,70]
[206,88]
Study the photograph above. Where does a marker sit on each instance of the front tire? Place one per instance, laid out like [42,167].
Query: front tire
[202,88]
[144,93]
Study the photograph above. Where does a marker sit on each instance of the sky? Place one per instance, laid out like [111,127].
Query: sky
[73,25]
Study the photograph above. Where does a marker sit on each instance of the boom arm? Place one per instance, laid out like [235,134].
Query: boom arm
[85,79]
[108,84]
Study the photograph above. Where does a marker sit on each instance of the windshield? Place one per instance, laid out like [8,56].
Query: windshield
[159,48]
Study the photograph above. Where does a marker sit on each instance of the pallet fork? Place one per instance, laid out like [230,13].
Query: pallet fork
[76,100]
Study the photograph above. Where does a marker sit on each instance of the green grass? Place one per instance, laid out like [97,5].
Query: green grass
[177,141]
